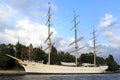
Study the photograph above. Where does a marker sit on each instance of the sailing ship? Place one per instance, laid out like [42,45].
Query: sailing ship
[65,68]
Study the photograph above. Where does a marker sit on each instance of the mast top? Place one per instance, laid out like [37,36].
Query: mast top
[48,2]
[49,5]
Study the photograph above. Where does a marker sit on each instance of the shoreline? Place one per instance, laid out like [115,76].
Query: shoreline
[12,72]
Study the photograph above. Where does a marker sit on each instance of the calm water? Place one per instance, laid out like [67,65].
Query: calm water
[64,77]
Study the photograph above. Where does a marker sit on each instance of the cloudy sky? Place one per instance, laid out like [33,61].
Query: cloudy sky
[25,20]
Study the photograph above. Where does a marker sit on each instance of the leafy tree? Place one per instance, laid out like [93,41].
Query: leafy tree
[65,57]
[54,56]
[113,66]
[61,56]
[24,52]
[68,57]
[89,58]
[18,50]
[6,62]
[39,55]
[101,61]
[86,58]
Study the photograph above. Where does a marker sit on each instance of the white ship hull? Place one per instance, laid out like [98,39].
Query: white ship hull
[35,67]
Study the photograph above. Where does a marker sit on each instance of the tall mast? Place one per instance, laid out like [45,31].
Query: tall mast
[94,49]
[77,48]
[76,44]
[76,40]
[49,39]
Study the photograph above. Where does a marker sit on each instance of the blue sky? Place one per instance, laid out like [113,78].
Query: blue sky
[25,19]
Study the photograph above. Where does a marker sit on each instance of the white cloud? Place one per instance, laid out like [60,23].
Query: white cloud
[33,8]
[28,32]
[17,25]
[6,12]
[62,44]
[31,32]
[107,20]
[90,43]
[110,33]
[22,4]
[110,28]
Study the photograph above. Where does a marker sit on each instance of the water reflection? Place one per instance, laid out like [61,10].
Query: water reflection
[64,77]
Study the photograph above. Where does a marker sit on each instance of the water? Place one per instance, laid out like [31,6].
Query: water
[64,77]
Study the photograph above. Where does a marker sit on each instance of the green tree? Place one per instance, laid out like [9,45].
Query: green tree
[68,57]
[101,61]
[86,58]
[89,58]
[113,66]
[24,52]
[61,56]
[65,57]
[18,50]
[39,55]
[54,56]
[6,62]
